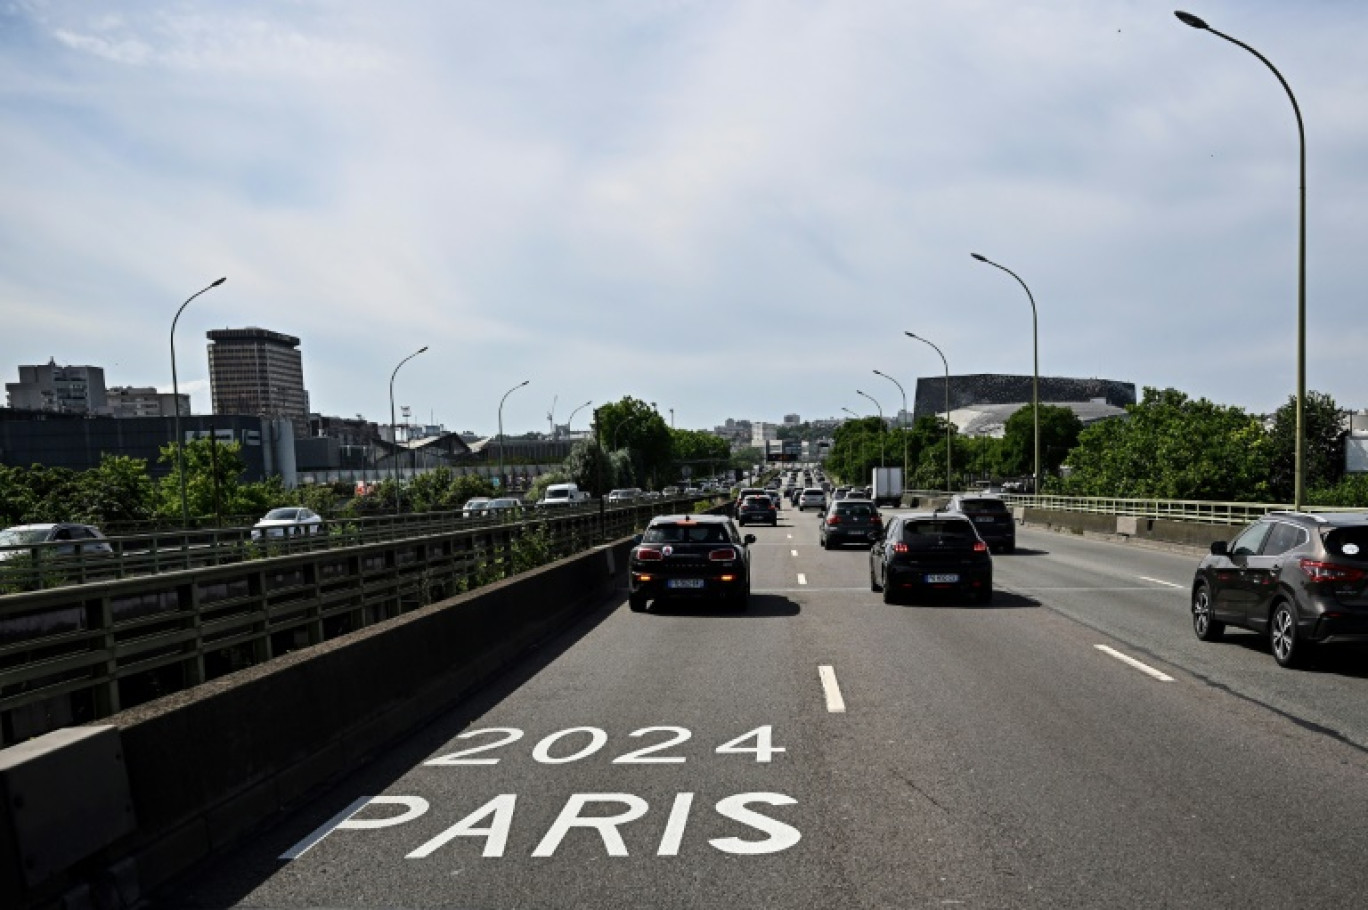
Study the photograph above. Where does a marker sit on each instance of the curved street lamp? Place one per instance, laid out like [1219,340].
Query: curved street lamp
[394,429]
[883,462]
[501,443]
[571,419]
[1299,468]
[175,397]
[1035,375]
[947,407]
[902,422]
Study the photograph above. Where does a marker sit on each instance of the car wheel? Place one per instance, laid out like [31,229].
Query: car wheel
[826,543]
[637,601]
[889,595]
[1288,649]
[1204,623]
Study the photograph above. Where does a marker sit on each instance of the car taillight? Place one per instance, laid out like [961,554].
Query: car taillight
[900,547]
[724,554]
[648,555]
[877,519]
[980,547]
[1329,571]
[834,520]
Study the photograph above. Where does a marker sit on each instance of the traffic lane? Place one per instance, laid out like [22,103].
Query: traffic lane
[1133,594]
[1007,761]
[720,677]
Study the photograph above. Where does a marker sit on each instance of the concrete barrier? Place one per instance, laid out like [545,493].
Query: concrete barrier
[207,765]
[1198,535]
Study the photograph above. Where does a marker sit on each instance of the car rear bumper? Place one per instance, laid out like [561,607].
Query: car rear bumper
[906,580]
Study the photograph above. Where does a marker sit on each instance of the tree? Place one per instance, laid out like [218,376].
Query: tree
[1059,429]
[1324,453]
[1171,447]
[637,428]
[119,490]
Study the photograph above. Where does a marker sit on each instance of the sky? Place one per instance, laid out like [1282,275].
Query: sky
[730,208]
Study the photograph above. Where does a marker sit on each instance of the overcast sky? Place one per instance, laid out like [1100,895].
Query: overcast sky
[731,208]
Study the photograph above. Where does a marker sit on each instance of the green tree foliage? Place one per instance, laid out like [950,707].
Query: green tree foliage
[1059,429]
[214,486]
[1324,455]
[118,491]
[636,429]
[1172,447]
[700,450]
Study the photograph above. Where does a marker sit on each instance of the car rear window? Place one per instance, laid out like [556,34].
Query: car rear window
[685,534]
[983,505]
[855,509]
[1350,542]
[932,530]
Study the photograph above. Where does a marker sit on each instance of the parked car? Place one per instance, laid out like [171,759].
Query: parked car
[690,556]
[65,538]
[990,516]
[1297,577]
[926,553]
[290,521]
[849,521]
[757,508]
[474,507]
[812,498]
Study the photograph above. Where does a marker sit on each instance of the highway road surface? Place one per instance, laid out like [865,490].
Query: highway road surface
[1071,745]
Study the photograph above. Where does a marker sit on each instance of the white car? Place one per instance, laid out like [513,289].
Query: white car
[475,507]
[812,498]
[289,521]
[503,507]
[69,539]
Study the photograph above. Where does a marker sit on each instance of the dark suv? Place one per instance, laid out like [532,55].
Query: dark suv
[1300,578]
[697,556]
[925,553]
[991,517]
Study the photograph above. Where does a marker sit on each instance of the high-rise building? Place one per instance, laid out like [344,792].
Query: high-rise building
[64,389]
[258,372]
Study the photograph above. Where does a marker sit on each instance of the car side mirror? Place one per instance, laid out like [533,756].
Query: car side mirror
[1220,548]
[636,540]
[749,539]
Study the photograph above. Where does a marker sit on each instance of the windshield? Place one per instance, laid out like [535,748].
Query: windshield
[15,537]
[282,515]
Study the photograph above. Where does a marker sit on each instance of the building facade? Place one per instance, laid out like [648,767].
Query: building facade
[58,389]
[134,401]
[258,372]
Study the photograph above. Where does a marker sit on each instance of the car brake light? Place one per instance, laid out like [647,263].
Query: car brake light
[1328,571]
[877,519]
[900,547]
[834,520]
[648,555]
[980,547]
[725,554]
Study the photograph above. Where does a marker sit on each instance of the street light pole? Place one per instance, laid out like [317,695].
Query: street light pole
[883,462]
[501,444]
[1035,375]
[902,422]
[1299,468]
[570,422]
[175,398]
[394,429]
[947,408]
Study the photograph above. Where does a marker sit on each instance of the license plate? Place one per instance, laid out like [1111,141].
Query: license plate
[984,519]
[941,579]
[684,583]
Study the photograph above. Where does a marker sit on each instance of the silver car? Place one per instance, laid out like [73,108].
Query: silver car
[812,498]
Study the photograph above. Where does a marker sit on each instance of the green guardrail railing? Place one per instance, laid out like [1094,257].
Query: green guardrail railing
[1196,510]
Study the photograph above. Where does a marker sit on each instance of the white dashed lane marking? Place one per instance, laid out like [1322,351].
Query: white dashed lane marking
[1131,661]
[835,704]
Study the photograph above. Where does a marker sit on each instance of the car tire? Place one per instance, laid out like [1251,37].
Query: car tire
[826,543]
[1204,623]
[1289,650]
[889,595]
[637,602]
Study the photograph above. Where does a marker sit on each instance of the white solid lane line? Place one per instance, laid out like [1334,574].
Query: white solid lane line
[802,579]
[1127,659]
[1159,581]
[834,702]
[794,552]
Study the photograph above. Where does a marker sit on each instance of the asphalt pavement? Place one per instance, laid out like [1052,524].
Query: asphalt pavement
[1069,745]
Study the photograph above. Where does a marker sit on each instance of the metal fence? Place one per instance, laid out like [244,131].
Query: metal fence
[1196,510]
[185,609]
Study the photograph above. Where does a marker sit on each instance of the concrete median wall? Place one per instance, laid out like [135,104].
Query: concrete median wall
[1178,533]
[207,765]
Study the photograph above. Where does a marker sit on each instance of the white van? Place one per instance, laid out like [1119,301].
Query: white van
[563,494]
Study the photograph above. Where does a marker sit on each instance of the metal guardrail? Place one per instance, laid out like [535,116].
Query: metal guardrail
[1197,510]
[77,652]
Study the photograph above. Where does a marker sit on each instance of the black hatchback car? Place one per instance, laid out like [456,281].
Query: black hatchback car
[691,556]
[931,553]
[1298,577]
[757,509]
[991,517]
[849,521]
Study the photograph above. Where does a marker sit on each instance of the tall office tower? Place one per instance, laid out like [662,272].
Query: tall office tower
[258,372]
[65,389]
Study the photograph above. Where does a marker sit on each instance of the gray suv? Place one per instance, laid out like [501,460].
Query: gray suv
[1300,578]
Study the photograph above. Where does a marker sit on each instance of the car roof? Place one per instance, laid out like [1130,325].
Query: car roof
[698,519]
[1336,519]
[941,513]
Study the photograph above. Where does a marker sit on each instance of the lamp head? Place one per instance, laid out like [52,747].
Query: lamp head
[1189,19]
[980,257]
[422,349]
[219,282]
